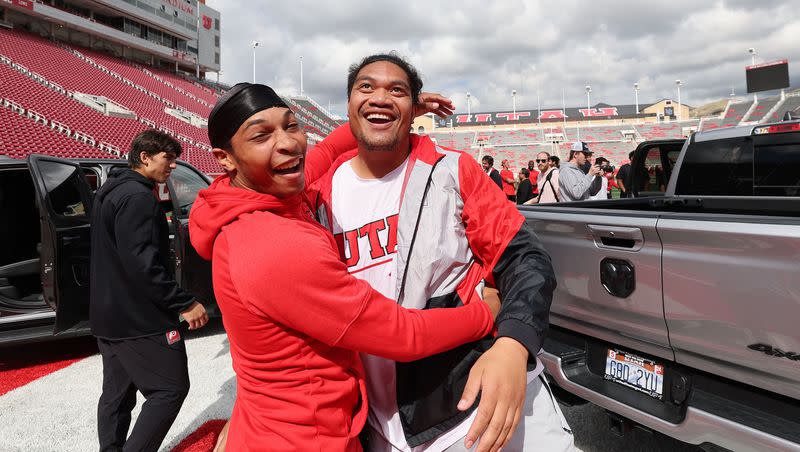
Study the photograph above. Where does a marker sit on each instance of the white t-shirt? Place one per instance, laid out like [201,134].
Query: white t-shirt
[603,193]
[365,213]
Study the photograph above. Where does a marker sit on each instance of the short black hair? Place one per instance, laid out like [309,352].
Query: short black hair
[152,142]
[525,172]
[600,160]
[414,80]
[630,155]
[488,158]
[554,159]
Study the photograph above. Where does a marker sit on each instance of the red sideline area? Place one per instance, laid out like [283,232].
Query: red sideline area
[22,365]
[202,439]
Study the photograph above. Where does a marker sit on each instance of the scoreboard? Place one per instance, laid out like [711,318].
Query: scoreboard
[767,76]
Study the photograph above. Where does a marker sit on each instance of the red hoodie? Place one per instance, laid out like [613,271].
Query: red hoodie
[295,320]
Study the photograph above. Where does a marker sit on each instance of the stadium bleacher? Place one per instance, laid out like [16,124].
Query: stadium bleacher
[32,76]
[790,104]
[456,140]
[22,136]
[762,108]
[737,111]
[659,131]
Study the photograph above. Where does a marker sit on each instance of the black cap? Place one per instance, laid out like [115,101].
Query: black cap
[235,106]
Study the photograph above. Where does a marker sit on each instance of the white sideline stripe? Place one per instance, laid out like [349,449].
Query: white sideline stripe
[59,411]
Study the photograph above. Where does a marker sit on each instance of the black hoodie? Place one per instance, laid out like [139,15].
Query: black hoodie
[133,294]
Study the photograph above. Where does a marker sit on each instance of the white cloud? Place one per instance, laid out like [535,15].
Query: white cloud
[489,49]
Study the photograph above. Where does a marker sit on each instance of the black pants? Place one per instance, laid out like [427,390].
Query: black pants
[155,368]
[512,198]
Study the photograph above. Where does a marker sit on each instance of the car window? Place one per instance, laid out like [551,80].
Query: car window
[777,170]
[62,183]
[717,168]
[92,177]
[186,183]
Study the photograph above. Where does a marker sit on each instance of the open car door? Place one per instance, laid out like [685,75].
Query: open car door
[65,201]
[192,272]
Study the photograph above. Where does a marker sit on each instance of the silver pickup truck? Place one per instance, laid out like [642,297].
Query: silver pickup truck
[678,310]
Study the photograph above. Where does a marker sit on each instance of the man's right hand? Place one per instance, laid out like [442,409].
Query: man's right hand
[594,170]
[195,316]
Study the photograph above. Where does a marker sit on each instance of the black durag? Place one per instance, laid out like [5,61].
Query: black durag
[235,106]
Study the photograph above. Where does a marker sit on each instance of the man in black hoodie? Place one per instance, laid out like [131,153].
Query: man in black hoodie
[135,303]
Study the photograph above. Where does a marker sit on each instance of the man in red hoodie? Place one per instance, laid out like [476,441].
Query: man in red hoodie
[294,317]
[426,227]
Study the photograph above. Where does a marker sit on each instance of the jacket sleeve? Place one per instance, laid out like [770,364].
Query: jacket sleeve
[576,186]
[136,238]
[519,265]
[320,159]
[307,288]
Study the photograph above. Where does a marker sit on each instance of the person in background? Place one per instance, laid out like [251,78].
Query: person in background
[525,188]
[533,176]
[507,176]
[135,303]
[548,180]
[554,161]
[573,183]
[488,167]
[604,165]
[623,176]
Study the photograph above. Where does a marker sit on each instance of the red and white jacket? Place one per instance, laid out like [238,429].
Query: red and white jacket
[455,229]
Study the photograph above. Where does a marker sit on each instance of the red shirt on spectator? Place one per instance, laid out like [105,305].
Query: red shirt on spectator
[508,189]
[534,177]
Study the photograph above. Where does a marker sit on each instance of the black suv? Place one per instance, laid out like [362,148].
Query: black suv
[45,205]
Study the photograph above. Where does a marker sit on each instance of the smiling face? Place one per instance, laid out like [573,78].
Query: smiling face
[158,167]
[381,108]
[267,154]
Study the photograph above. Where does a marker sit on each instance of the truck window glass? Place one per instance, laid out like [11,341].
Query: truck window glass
[717,168]
[777,170]
[186,183]
[63,193]
[92,177]
[656,180]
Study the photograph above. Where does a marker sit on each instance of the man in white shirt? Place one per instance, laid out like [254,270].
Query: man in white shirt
[412,220]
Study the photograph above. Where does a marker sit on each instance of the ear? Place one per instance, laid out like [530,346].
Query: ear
[224,159]
[145,159]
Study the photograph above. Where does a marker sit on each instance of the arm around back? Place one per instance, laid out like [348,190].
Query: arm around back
[302,284]
[320,159]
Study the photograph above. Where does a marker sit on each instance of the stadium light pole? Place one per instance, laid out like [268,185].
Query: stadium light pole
[301,75]
[255,44]
[469,113]
[538,107]
[753,63]
[636,95]
[588,97]
[680,105]
[514,105]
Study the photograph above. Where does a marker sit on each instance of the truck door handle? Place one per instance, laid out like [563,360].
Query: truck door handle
[617,237]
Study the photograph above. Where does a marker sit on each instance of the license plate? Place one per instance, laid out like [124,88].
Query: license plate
[641,374]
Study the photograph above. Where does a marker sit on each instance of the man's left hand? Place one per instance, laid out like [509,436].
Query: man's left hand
[500,375]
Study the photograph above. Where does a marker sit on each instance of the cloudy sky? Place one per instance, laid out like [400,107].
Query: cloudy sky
[492,48]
